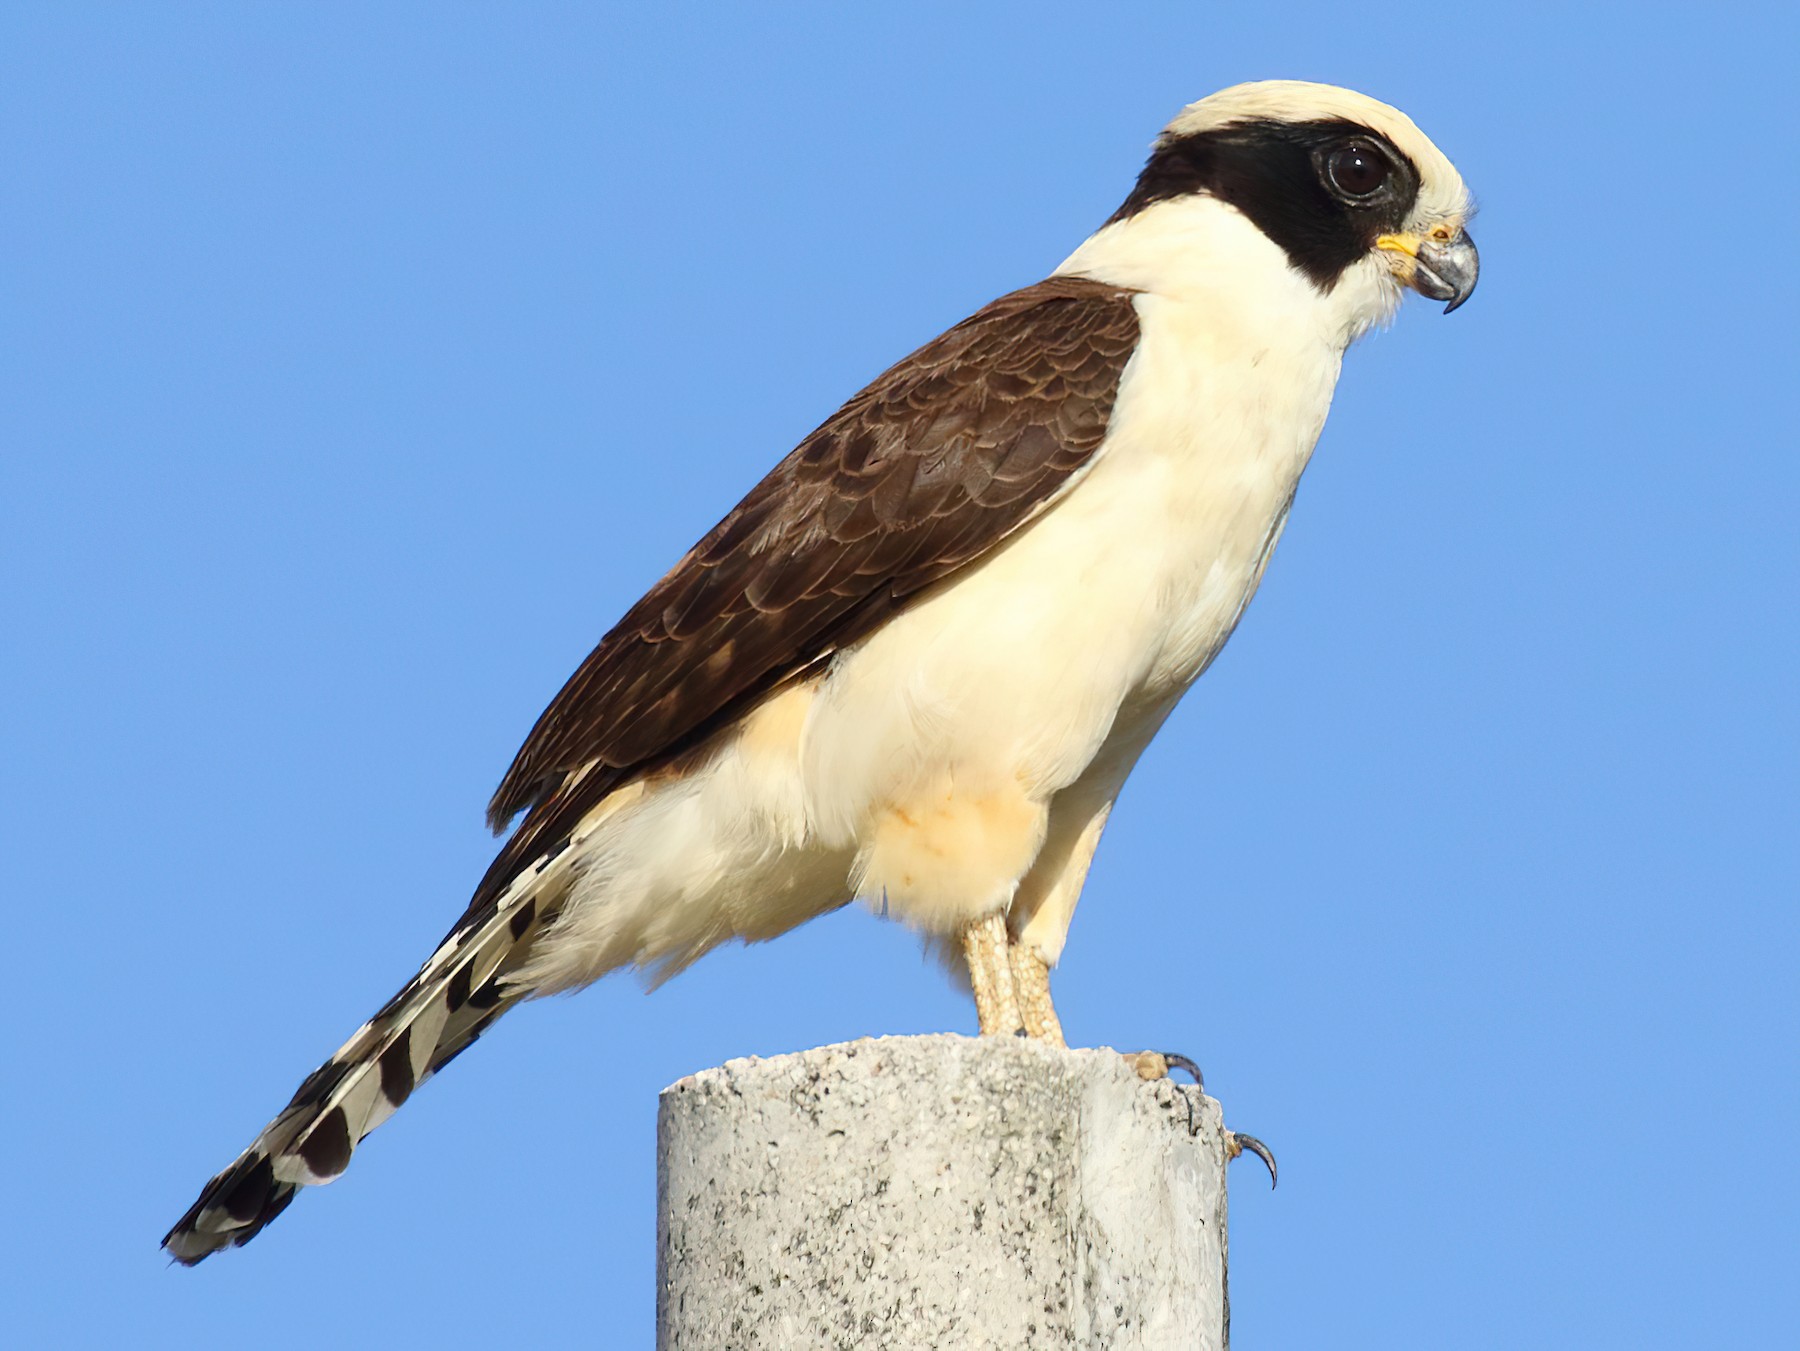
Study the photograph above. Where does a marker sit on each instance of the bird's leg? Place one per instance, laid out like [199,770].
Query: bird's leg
[1031,982]
[990,973]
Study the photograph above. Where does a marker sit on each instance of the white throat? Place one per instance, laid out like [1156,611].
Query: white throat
[1202,250]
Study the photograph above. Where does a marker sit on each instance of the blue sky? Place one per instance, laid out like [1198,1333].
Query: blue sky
[362,363]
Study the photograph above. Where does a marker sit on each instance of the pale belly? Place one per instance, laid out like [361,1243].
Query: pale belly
[966,753]
[938,751]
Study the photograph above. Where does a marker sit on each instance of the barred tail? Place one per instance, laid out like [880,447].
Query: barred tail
[434,1017]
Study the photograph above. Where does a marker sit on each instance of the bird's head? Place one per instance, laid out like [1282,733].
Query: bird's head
[1357,199]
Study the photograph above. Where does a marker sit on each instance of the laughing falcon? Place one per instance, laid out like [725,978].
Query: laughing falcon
[915,665]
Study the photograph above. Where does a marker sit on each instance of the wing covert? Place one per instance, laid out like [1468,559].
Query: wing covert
[925,470]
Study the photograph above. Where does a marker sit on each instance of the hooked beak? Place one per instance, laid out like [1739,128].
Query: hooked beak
[1438,269]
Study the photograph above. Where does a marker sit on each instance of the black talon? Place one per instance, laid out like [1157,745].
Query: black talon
[1193,1125]
[1181,1062]
[1258,1148]
[1241,1142]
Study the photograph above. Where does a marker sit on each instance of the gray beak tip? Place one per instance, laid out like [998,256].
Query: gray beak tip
[1447,271]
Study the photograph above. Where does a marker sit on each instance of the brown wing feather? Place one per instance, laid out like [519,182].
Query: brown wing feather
[925,470]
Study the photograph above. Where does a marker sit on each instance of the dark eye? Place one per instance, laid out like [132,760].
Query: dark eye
[1356,170]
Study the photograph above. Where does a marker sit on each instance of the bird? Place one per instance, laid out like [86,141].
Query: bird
[914,666]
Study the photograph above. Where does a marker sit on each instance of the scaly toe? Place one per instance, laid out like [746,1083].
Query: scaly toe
[1153,1065]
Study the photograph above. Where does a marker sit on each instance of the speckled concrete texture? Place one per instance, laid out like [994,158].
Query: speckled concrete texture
[943,1192]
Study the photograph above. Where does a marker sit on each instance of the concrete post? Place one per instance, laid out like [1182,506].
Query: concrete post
[943,1192]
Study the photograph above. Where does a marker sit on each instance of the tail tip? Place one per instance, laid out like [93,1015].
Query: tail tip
[231,1210]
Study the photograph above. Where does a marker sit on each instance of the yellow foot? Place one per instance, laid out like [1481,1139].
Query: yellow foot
[991,976]
[1157,1064]
[1031,982]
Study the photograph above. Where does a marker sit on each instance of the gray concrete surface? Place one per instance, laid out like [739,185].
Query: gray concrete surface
[938,1192]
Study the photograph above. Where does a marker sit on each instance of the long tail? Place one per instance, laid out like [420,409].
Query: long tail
[455,997]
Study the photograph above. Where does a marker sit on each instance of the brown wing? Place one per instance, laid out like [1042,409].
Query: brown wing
[925,470]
